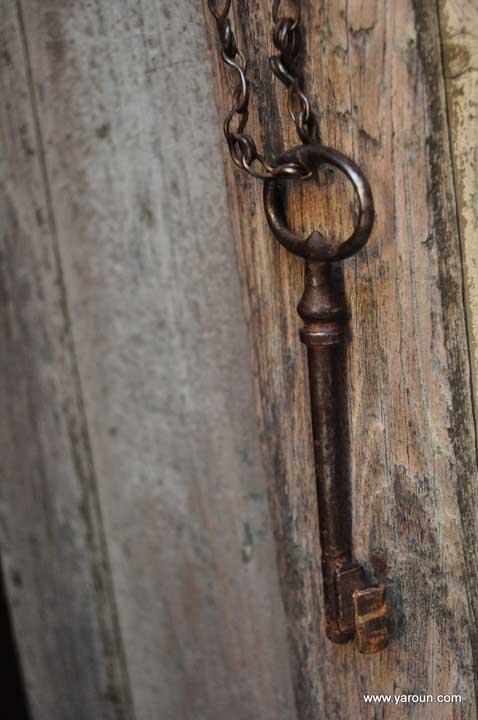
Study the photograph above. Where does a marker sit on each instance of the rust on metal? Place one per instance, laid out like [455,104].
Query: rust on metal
[353,607]
[347,611]
[371,618]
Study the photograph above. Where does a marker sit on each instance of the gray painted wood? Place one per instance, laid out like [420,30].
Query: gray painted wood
[52,541]
[139,560]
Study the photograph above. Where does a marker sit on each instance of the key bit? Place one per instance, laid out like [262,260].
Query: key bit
[371,619]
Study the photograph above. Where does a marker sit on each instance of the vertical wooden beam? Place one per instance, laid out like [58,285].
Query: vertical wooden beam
[53,548]
[125,386]
[459,32]
[375,72]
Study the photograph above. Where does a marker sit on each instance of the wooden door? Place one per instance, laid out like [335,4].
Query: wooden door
[159,533]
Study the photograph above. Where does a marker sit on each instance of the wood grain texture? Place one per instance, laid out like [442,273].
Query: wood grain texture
[125,377]
[53,550]
[375,71]
[459,32]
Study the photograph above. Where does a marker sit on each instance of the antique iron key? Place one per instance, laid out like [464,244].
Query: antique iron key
[352,605]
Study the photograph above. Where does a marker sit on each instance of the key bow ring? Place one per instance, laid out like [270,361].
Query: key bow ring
[316,246]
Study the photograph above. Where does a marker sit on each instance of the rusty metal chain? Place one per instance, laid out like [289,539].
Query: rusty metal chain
[287,40]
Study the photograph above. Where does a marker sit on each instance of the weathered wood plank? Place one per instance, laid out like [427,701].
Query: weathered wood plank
[136,197]
[459,31]
[375,70]
[52,546]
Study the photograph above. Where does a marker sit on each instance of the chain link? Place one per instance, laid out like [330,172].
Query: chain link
[287,40]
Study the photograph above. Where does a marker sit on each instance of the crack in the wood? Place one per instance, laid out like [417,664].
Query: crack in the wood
[461,393]
[468,320]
